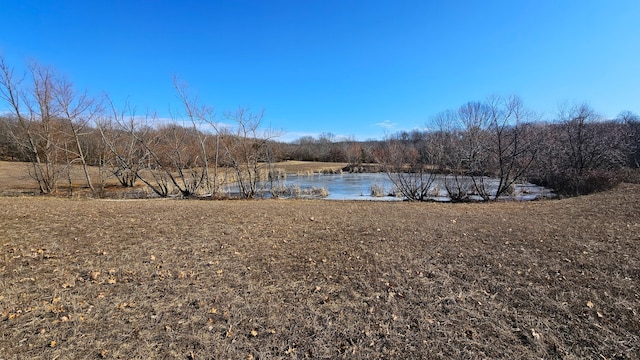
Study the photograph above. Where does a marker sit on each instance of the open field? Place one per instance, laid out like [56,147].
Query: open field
[197,279]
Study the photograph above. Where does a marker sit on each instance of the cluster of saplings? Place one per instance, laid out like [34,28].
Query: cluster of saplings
[196,153]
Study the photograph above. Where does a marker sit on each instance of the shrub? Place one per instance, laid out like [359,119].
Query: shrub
[572,184]
[629,175]
[319,191]
[458,188]
[295,191]
[377,190]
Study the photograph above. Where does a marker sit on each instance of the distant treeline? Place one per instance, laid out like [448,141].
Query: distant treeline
[53,126]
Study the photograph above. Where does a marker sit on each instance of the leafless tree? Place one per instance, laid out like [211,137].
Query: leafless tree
[174,153]
[9,149]
[79,111]
[353,151]
[582,151]
[246,148]
[198,117]
[632,123]
[589,142]
[450,140]
[409,166]
[39,124]
[483,140]
[120,131]
[513,143]
[474,119]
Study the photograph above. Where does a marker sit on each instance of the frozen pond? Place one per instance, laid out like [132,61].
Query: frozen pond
[357,186]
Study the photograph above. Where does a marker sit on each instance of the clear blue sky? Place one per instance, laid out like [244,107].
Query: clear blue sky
[353,68]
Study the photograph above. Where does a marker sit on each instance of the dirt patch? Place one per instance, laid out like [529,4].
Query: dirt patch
[192,279]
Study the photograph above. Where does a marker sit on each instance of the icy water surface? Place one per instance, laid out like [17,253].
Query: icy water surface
[357,186]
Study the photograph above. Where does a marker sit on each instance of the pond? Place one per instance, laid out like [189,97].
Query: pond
[358,186]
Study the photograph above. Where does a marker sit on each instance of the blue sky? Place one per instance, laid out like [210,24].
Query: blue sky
[352,68]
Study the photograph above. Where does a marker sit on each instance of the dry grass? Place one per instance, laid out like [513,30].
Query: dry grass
[15,176]
[195,279]
[15,179]
[309,167]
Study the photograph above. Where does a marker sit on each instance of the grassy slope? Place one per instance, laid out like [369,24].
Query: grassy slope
[319,279]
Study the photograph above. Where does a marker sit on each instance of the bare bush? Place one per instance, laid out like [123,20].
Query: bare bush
[246,150]
[377,190]
[408,166]
[39,126]
[582,153]
[319,191]
[120,132]
[294,191]
[458,187]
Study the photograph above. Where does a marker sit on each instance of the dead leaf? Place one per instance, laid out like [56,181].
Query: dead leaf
[535,334]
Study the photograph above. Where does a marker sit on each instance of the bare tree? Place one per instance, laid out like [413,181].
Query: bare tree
[485,140]
[513,143]
[79,112]
[119,132]
[246,148]
[409,166]
[474,119]
[199,116]
[582,151]
[39,127]
[450,141]
[353,152]
[137,149]
[589,142]
[9,149]
[157,174]
[174,153]
[632,123]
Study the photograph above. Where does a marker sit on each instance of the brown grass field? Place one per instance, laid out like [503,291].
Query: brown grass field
[280,279]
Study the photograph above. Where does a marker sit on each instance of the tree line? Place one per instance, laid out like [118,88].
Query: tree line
[579,152]
[54,127]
